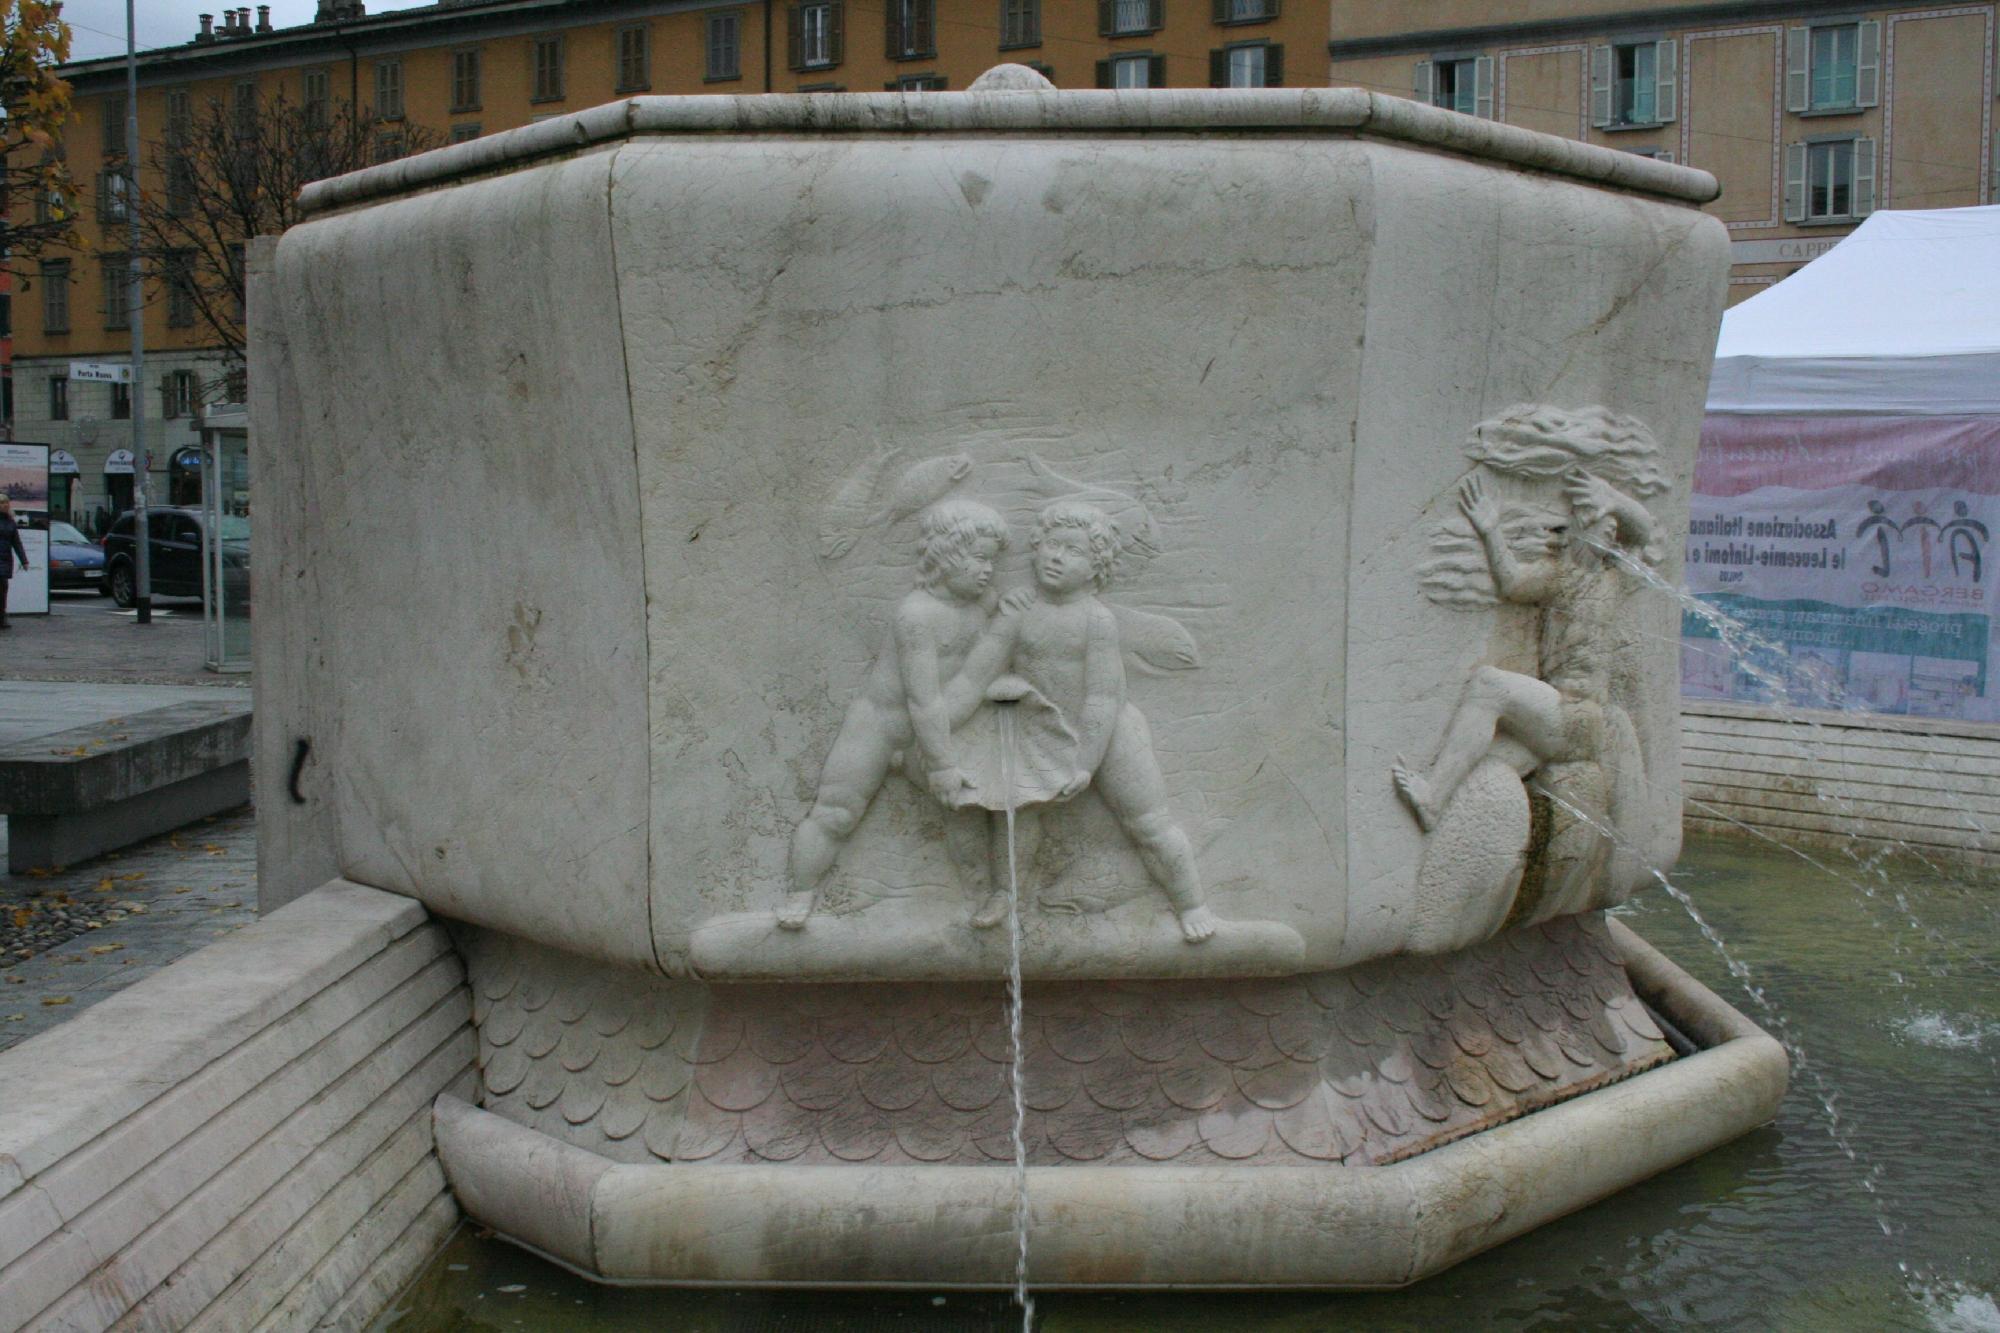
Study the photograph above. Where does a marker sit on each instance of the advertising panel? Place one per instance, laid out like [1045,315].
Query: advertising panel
[1851,559]
[24,479]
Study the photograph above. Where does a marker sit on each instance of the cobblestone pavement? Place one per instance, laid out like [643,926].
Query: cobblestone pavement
[86,638]
[131,912]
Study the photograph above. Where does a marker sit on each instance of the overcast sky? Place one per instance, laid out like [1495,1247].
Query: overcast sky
[99,25]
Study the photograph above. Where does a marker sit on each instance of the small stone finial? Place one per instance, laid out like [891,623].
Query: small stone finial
[1011,79]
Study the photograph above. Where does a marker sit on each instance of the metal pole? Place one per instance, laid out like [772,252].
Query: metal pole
[135,316]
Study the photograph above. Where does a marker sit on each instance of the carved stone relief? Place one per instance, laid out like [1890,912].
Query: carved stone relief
[1002,694]
[1534,786]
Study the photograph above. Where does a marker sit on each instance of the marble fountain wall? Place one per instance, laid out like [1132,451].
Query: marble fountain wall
[1239,456]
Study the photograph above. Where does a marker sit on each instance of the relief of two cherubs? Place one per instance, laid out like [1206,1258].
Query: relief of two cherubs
[992,699]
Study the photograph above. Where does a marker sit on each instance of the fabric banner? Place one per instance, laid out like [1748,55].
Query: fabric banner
[1845,562]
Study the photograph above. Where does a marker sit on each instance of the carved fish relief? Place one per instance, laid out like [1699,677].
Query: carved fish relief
[1136,529]
[920,485]
[1161,642]
[844,517]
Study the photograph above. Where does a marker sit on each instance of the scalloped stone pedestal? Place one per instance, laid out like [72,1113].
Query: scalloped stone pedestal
[1355,1129]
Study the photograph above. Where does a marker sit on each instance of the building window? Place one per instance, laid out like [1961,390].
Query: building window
[1832,67]
[315,96]
[1139,70]
[113,113]
[465,132]
[121,402]
[635,59]
[465,80]
[1250,65]
[1020,23]
[817,32]
[388,90]
[243,109]
[180,116]
[58,398]
[1462,84]
[180,290]
[1633,84]
[180,394]
[725,47]
[388,146]
[911,29]
[1245,11]
[548,61]
[1829,180]
[55,296]
[111,194]
[1127,18]
[180,184]
[916,83]
[117,273]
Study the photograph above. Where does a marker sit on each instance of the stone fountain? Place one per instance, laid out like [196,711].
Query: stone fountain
[766,570]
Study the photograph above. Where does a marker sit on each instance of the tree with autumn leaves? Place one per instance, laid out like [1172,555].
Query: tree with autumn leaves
[34,108]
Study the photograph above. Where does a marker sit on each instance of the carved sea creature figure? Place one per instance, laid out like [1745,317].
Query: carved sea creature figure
[920,485]
[1161,642]
[1131,519]
[853,505]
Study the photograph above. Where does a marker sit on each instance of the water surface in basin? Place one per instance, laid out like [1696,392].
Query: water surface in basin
[1894,998]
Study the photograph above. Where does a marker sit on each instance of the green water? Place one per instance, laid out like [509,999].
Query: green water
[1895,1001]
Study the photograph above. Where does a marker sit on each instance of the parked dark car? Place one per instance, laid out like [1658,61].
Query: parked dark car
[176,553]
[75,562]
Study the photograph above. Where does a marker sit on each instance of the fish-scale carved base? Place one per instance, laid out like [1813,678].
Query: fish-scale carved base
[1363,1066]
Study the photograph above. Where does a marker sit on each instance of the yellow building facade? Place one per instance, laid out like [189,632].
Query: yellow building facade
[1809,116]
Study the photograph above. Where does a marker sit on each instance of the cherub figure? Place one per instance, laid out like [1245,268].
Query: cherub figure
[1062,644]
[1572,575]
[902,709]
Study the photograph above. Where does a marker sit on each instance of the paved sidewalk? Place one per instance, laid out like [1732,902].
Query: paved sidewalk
[86,638]
[144,907]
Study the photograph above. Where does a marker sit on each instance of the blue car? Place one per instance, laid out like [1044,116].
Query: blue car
[75,562]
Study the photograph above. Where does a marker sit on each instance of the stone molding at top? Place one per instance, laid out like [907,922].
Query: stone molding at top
[1343,112]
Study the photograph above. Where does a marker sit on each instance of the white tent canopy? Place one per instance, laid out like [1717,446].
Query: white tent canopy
[1901,317]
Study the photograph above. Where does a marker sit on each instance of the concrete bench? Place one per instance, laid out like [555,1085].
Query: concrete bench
[76,794]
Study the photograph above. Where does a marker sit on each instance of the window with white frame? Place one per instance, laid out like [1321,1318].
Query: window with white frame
[315,95]
[1634,84]
[1245,11]
[59,397]
[725,46]
[1830,180]
[465,131]
[1457,83]
[117,274]
[180,394]
[465,80]
[816,34]
[1139,70]
[1833,67]
[917,83]
[910,29]
[1247,65]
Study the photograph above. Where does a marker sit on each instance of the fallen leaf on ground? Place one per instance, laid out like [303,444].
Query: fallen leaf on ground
[106,948]
[185,888]
[212,849]
[136,874]
[54,1000]
[106,884]
[22,916]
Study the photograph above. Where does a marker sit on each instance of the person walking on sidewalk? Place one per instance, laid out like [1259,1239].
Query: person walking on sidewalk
[10,550]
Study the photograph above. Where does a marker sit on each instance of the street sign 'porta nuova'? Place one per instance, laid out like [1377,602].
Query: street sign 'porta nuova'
[101,372]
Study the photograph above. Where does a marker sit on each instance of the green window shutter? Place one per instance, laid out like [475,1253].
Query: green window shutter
[925,15]
[1795,182]
[1424,87]
[1482,87]
[1600,86]
[1218,67]
[1107,22]
[1274,66]
[1798,89]
[1864,178]
[1156,71]
[1104,73]
[1667,81]
[1868,63]
[892,32]
[1156,14]
[1220,14]
[794,37]
[837,29]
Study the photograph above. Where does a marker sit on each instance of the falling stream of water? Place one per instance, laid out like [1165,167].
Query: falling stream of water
[1014,1007]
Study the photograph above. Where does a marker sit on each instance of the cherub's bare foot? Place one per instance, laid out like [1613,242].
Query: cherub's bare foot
[798,906]
[1197,924]
[1415,789]
[991,912]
